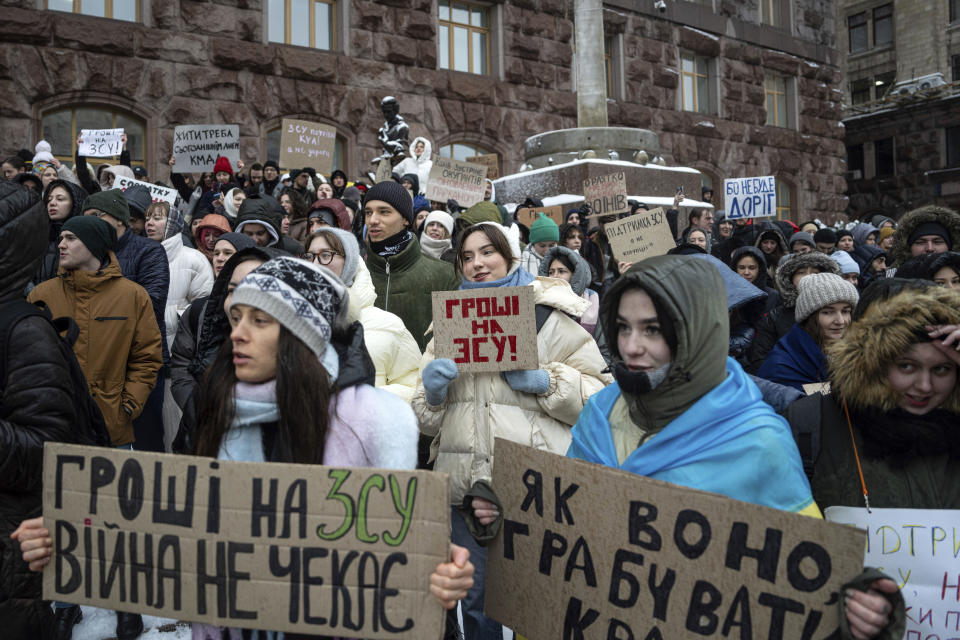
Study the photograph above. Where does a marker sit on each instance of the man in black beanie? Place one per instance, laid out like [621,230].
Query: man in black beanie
[826,240]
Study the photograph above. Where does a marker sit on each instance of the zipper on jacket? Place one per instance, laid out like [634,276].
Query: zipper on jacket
[103,318]
[386,297]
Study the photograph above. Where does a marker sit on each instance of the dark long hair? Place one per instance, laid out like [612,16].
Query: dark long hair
[304,392]
[496,237]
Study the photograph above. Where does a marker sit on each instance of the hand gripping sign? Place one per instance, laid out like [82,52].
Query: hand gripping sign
[486,329]
[284,547]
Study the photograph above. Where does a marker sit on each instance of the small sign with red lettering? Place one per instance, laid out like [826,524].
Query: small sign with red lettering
[486,329]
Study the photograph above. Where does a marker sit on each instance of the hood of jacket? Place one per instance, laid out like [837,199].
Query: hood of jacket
[771,231]
[859,362]
[427,150]
[690,293]
[339,209]
[23,235]
[260,210]
[77,195]
[362,293]
[739,291]
[865,254]
[763,277]
[214,221]
[861,230]
[788,292]
[414,180]
[900,251]
[556,293]
[116,170]
[879,219]
[580,279]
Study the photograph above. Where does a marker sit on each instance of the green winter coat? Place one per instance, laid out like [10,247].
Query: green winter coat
[404,283]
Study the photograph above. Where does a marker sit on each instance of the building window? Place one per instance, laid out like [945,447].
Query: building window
[955,66]
[304,23]
[128,10]
[860,91]
[462,150]
[953,146]
[954,10]
[775,88]
[883,154]
[61,128]
[855,161]
[273,150]
[608,66]
[883,25]
[695,83]
[783,200]
[881,84]
[464,37]
[771,13]
[857,27]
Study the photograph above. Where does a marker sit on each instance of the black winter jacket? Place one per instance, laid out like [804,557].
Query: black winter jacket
[144,261]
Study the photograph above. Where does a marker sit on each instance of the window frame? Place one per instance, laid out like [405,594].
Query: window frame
[873,15]
[713,98]
[955,66]
[856,151]
[783,210]
[107,10]
[954,7]
[768,92]
[475,150]
[488,31]
[769,13]
[336,7]
[862,15]
[114,112]
[951,151]
[885,80]
[877,151]
[853,90]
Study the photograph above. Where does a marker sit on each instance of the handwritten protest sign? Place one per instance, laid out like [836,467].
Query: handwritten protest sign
[594,553]
[284,547]
[196,146]
[307,144]
[918,549]
[157,193]
[606,195]
[486,329]
[492,162]
[750,197]
[526,216]
[640,236]
[100,143]
[463,181]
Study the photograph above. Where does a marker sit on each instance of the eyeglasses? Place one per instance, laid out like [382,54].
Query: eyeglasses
[325,257]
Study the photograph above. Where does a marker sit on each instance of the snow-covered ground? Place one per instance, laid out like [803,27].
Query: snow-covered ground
[101,624]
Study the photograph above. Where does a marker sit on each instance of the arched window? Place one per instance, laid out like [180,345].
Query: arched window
[783,200]
[273,150]
[462,150]
[62,126]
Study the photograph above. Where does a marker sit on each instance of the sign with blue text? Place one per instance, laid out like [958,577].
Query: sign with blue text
[750,197]
[344,552]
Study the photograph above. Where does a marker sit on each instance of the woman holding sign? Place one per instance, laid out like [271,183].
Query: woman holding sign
[464,412]
[291,386]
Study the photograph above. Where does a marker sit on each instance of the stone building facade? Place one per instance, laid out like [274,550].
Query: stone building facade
[705,76]
[901,61]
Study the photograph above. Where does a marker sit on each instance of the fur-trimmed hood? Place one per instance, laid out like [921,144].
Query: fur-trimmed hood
[858,363]
[900,251]
[788,292]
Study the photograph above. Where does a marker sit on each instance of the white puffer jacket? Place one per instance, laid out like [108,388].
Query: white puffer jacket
[420,166]
[481,406]
[394,352]
[191,277]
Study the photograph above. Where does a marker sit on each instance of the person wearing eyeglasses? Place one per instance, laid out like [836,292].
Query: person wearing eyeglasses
[394,352]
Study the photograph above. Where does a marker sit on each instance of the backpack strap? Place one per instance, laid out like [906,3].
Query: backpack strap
[542,312]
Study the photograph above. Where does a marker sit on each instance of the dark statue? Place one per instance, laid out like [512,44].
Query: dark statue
[393,134]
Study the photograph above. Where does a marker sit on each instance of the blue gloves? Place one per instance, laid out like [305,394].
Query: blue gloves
[530,381]
[436,377]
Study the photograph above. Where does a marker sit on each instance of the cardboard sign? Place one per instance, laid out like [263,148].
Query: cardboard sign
[750,197]
[606,195]
[526,216]
[157,192]
[307,144]
[100,143]
[640,236]
[492,162]
[591,552]
[463,181]
[918,549]
[486,329]
[196,146]
[384,170]
[283,547]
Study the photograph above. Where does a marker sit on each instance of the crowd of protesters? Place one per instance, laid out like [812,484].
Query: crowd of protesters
[232,324]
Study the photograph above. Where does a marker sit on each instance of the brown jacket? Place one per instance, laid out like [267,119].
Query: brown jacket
[119,343]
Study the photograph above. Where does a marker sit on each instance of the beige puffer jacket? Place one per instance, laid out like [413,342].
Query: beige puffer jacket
[481,406]
[394,352]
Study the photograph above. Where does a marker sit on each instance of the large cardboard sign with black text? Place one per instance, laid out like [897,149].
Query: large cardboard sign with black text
[283,547]
[640,236]
[464,182]
[590,552]
[606,195]
[486,329]
[307,144]
[492,162]
[528,215]
[196,146]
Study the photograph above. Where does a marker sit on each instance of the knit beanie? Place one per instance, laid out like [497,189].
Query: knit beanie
[481,212]
[818,290]
[240,241]
[110,202]
[801,236]
[843,233]
[138,199]
[847,264]
[98,236]
[222,164]
[931,229]
[43,156]
[544,229]
[304,298]
[443,218]
[825,235]
[393,194]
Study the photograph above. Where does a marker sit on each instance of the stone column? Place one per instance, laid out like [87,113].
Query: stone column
[591,72]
